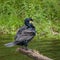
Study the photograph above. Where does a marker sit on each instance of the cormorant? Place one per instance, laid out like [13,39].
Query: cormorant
[24,35]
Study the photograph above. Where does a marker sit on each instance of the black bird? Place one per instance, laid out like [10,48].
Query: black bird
[24,34]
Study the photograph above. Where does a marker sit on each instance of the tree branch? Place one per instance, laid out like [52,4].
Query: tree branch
[33,54]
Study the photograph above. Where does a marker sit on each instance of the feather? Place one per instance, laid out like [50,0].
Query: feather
[26,34]
[11,44]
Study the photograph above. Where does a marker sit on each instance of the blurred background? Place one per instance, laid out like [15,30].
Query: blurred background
[46,15]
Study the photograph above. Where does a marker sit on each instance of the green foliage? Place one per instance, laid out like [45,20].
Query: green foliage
[46,15]
[44,12]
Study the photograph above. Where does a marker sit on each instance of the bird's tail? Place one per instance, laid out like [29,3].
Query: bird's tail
[11,44]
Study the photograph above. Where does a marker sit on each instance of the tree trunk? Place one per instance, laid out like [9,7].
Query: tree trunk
[33,54]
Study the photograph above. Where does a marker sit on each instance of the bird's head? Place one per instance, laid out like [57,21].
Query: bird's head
[29,22]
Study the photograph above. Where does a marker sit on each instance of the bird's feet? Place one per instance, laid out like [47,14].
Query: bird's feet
[26,48]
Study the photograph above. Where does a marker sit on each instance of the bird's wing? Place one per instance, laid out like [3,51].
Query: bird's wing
[26,35]
[21,29]
[19,32]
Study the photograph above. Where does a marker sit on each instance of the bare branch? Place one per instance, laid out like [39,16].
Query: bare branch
[33,54]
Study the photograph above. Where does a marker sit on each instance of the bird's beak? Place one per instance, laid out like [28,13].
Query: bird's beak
[31,22]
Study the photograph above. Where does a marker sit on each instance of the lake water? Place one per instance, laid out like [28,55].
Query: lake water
[50,48]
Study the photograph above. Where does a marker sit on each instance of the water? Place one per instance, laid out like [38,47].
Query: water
[50,48]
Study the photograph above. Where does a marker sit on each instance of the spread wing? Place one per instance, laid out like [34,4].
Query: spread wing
[26,34]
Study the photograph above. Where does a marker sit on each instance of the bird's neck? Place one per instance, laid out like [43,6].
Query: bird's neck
[29,25]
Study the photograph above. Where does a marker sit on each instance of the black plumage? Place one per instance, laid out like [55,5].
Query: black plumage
[24,34]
